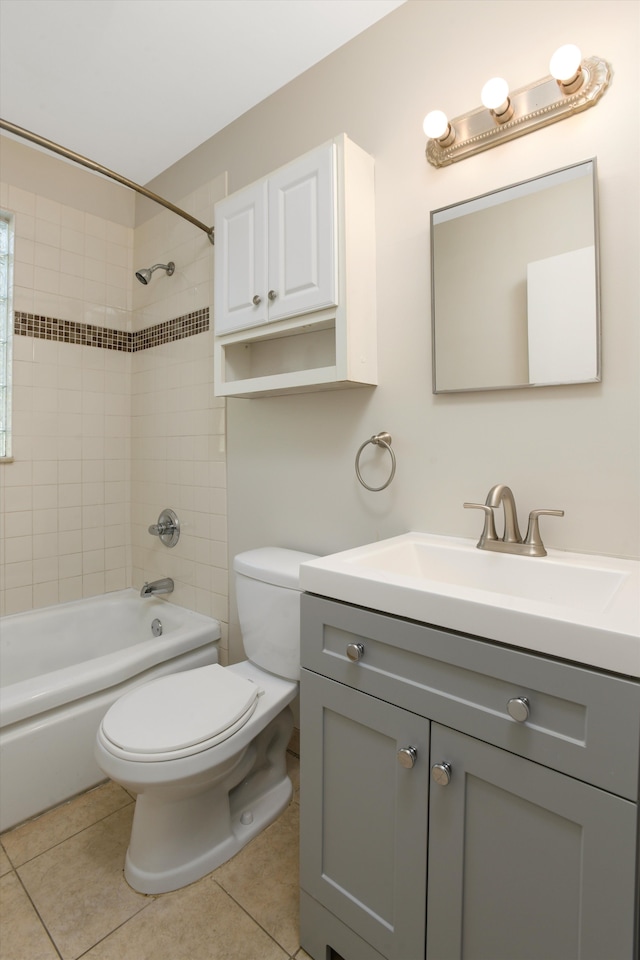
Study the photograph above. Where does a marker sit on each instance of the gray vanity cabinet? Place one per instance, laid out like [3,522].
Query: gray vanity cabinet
[525,863]
[436,825]
[364,815]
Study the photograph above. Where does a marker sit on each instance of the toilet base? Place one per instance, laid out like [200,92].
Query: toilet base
[264,812]
[180,834]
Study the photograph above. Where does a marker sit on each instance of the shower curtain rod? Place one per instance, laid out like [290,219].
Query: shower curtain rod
[92,165]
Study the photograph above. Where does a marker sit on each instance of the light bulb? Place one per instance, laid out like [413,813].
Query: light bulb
[437,127]
[565,63]
[495,93]
[435,124]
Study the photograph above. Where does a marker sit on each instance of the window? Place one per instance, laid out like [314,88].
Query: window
[6,324]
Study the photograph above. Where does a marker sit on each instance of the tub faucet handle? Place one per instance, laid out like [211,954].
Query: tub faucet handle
[167,528]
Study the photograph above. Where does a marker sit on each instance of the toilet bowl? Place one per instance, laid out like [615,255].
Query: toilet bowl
[205,750]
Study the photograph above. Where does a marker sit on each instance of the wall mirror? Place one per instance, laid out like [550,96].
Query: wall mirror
[514,285]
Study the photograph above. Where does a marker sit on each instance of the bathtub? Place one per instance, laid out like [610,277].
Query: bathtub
[61,668]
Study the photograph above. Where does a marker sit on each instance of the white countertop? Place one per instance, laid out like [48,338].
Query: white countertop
[577,607]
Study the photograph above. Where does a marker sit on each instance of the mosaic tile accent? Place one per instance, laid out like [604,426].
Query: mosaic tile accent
[90,335]
[177,329]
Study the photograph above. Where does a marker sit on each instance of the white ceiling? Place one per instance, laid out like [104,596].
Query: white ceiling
[137,84]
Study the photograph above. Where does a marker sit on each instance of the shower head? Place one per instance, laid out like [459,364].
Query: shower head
[144,276]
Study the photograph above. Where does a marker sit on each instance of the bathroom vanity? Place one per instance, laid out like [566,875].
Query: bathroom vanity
[462,795]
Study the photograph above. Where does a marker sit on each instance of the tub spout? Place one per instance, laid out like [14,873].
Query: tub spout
[165,585]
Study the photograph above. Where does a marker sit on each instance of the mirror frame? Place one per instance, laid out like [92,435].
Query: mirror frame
[592,162]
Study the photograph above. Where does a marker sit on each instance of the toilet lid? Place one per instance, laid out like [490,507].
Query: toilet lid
[178,712]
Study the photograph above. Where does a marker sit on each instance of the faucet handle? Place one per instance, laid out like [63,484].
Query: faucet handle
[489,529]
[533,530]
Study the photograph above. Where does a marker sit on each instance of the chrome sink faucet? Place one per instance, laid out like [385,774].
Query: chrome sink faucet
[511,540]
[164,585]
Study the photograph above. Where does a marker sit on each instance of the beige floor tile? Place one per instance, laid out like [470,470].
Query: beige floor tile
[33,838]
[199,922]
[263,878]
[23,935]
[302,955]
[5,863]
[78,886]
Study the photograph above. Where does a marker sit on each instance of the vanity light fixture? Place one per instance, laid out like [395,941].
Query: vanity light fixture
[573,85]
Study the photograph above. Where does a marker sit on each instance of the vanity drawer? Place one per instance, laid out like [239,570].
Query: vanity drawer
[581,722]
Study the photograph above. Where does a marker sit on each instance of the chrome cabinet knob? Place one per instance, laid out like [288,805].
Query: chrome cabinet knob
[441,773]
[256,300]
[272,294]
[355,651]
[407,757]
[519,708]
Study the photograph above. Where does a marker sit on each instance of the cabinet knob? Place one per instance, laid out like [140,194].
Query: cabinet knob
[407,757]
[518,708]
[355,651]
[272,294]
[256,300]
[441,773]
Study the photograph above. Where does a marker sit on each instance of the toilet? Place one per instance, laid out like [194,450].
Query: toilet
[205,750]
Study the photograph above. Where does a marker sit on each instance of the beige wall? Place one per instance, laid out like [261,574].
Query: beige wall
[291,478]
[290,460]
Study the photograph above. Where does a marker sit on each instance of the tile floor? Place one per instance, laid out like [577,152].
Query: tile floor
[63,894]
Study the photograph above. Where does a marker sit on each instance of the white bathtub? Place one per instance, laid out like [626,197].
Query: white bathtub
[61,668]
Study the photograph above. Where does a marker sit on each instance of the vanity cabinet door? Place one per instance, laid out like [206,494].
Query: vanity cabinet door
[524,862]
[364,816]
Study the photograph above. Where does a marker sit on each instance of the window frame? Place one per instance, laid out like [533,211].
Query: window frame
[7,225]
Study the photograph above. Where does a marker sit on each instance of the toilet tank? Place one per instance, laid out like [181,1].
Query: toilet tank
[268,598]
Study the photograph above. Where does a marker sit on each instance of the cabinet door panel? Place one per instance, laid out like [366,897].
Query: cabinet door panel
[241,260]
[302,246]
[524,862]
[364,825]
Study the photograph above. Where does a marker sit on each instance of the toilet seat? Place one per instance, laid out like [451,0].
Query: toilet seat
[179,715]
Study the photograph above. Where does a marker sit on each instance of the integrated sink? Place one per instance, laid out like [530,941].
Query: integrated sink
[576,606]
[457,564]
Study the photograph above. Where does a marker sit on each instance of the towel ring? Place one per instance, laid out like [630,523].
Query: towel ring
[380,440]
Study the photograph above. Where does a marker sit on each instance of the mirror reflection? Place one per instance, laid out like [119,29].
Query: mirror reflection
[514,285]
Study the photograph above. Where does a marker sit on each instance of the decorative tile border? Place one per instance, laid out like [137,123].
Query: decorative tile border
[90,335]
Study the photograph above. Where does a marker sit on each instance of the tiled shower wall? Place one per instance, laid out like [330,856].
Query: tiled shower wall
[106,436]
[65,499]
[178,426]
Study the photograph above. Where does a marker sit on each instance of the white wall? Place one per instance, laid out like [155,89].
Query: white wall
[290,460]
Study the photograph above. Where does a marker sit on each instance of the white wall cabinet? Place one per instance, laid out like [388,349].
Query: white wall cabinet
[294,304]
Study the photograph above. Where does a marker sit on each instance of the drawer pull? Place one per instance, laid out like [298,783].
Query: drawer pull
[441,773]
[407,757]
[518,708]
[355,651]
